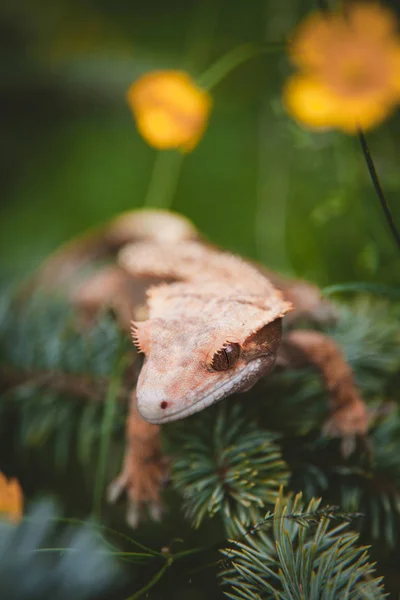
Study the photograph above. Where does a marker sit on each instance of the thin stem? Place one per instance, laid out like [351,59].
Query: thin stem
[106,430]
[153,581]
[271,207]
[323,5]
[168,163]
[232,59]
[378,188]
[185,553]
[201,34]
[98,528]
[164,179]
[378,289]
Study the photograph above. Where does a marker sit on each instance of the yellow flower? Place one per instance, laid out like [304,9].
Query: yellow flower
[11,499]
[171,111]
[349,68]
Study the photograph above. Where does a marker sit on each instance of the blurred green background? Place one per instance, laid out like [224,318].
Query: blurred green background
[71,157]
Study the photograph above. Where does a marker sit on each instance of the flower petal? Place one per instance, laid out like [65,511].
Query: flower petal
[159,129]
[372,20]
[174,88]
[366,112]
[312,37]
[309,102]
[351,68]
[395,70]
[170,109]
[11,499]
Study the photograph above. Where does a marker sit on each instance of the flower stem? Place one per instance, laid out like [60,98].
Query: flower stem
[168,163]
[164,179]
[267,210]
[234,58]
[201,34]
[323,5]
[378,188]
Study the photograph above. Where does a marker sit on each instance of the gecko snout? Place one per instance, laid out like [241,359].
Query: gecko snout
[152,404]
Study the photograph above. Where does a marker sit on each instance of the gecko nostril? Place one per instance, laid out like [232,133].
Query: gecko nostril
[164,404]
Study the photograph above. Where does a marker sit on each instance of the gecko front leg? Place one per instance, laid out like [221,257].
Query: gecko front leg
[349,416]
[145,469]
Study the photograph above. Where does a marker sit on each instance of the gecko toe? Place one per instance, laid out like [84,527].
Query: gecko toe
[156,511]
[116,489]
[133,514]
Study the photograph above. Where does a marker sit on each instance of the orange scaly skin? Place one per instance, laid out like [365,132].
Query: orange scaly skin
[210,325]
[220,301]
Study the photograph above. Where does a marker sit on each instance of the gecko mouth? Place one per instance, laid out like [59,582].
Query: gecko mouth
[242,380]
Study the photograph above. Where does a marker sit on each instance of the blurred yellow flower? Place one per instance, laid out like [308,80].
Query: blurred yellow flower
[171,111]
[349,68]
[11,499]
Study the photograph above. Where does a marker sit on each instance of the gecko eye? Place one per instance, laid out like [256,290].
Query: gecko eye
[225,358]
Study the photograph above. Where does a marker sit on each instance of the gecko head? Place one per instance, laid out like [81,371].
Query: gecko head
[191,365]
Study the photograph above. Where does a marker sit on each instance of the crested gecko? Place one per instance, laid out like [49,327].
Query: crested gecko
[209,324]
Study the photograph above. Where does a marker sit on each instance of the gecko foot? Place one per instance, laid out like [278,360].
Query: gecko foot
[142,482]
[348,423]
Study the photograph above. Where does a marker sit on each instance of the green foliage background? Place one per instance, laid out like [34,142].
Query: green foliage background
[258,184]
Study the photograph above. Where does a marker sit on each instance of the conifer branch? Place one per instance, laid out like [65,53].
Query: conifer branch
[227,466]
[40,559]
[300,554]
[232,459]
